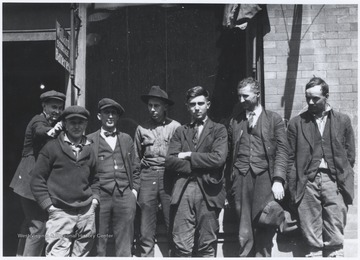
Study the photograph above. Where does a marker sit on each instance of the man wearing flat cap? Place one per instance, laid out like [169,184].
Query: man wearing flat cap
[65,184]
[119,180]
[152,140]
[41,128]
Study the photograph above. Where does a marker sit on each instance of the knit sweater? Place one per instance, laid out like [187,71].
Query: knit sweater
[61,180]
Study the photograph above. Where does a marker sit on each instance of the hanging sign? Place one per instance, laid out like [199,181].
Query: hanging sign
[62,47]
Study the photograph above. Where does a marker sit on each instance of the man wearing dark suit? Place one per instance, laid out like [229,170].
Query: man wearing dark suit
[41,129]
[257,166]
[118,171]
[196,157]
[321,178]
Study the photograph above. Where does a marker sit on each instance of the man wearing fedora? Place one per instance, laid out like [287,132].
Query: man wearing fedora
[256,167]
[41,128]
[65,184]
[118,171]
[152,140]
[196,157]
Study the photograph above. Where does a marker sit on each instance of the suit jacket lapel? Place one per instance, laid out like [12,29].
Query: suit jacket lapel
[238,128]
[264,124]
[206,131]
[123,154]
[188,133]
[307,128]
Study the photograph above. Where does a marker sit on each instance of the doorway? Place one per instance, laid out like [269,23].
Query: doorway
[29,69]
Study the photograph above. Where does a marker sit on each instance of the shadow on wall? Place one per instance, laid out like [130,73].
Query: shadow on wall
[292,63]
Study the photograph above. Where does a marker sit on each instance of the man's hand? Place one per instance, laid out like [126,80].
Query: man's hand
[50,208]
[278,190]
[95,202]
[53,132]
[135,193]
[184,155]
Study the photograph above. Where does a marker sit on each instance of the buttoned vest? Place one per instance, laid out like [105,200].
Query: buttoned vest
[111,167]
[251,151]
[322,149]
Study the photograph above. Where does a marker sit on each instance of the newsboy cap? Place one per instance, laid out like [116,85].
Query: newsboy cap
[157,92]
[108,102]
[75,111]
[52,94]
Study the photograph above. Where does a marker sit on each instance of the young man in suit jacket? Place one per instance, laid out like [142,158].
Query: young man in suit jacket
[41,129]
[118,172]
[257,166]
[196,157]
[321,178]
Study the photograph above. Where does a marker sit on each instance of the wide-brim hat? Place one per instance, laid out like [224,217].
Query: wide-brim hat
[52,94]
[75,111]
[108,102]
[157,92]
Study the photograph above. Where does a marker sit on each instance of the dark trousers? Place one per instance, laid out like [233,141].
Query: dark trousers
[33,229]
[119,210]
[152,192]
[195,225]
[250,193]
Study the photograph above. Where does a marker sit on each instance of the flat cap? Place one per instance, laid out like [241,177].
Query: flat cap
[108,102]
[52,94]
[75,111]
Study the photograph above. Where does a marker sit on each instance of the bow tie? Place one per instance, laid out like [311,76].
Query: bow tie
[197,123]
[113,134]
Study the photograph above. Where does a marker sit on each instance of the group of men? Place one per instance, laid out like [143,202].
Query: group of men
[76,190]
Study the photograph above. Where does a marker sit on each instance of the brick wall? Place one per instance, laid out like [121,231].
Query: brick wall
[307,40]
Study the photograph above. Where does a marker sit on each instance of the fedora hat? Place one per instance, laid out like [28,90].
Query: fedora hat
[157,92]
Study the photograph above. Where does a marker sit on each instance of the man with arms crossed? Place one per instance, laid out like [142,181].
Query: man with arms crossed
[196,157]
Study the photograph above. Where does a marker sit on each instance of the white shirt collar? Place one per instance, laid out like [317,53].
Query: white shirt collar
[257,111]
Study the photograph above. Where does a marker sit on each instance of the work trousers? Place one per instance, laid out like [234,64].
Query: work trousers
[195,225]
[32,237]
[152,192]
[250,193]
[119,210]
[70,232]
[322,214]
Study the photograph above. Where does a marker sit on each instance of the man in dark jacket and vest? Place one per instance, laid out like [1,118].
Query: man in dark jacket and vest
[41,129]
[321,178]
[118,171]
[196,156]
[257,166]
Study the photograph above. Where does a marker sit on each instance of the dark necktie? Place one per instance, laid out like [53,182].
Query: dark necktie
[251,119]
[107,134]
[196,125]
